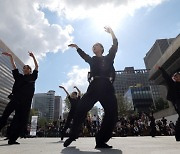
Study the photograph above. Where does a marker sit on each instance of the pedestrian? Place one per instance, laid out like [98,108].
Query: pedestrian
[173,95]
[74,98]
[102,74]
[20,99]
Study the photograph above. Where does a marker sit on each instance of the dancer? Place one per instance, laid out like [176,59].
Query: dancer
[73,99]
[173,95]
[20,99]
[101,89]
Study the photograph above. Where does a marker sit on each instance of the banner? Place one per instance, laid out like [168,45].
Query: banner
[33,125]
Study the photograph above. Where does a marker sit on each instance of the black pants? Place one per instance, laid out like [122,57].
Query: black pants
[68,121]
[100,90]
[20,119]
[177,127]
[7,112]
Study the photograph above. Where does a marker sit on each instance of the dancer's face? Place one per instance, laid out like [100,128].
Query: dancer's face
[176,77]
[73,95]
[26,70]
[97,49]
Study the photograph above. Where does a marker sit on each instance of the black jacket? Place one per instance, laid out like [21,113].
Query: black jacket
[24,85]
[101,66]
[173,87]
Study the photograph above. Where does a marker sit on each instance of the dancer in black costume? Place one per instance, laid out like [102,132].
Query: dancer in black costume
[101,89]
[73,99]
[173,95]
[20,99]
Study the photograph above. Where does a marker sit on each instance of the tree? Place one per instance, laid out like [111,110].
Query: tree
[42,122]
[160,104]
[124,107]
[67,105]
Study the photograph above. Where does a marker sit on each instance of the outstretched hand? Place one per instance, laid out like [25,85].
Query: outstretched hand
[108,29]
[31,54]
[61,87]
[7,54]
[73,45]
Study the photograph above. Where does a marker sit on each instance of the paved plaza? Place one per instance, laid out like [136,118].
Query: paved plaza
[121,145]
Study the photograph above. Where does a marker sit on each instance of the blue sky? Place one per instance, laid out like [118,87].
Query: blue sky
[47,27]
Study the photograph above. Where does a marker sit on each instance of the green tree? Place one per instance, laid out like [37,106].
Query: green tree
[67,105]
[124,107]
[42,122]
[160,104]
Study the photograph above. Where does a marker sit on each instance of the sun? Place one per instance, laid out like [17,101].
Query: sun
[107,15]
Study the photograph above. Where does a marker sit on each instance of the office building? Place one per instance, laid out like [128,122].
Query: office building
[6,78]
[140,98]
[49,105]
[131,77]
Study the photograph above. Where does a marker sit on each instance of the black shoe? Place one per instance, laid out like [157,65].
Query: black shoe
[68,142]
[177,138]
[103,145]
[62,137]
[12,142]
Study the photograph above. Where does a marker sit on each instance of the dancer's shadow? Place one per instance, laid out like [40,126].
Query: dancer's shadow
[74,150]
[4,145]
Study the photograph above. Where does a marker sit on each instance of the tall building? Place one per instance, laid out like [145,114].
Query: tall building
[6,78]
[131,77]
[165,53]
[48,105]
[57,107]
[156,52]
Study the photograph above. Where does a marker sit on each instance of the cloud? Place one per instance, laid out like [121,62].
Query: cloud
[77,77]
[101,13]
[24,27]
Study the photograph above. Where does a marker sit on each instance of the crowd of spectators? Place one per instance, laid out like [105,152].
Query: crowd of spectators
[132,125]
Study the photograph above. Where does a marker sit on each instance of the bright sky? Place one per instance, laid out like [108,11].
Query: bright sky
[48,26]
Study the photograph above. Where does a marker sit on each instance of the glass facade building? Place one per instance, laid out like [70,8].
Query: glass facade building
[140,98]
[129,77]
[6,78]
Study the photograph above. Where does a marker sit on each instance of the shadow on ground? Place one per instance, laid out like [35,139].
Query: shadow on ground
[74,150]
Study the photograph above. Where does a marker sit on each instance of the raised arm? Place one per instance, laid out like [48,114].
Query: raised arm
[113,49]
[165,75]
[11,59]
[83,55]
[79,92]
[109,30]
[34,59]
[64,90]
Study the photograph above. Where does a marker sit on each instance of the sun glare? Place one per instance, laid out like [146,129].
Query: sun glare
[107,16]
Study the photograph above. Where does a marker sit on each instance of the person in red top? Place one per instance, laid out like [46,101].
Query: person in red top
[20,99]
[74,98]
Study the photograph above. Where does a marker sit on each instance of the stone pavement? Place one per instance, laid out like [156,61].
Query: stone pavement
[121,145]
